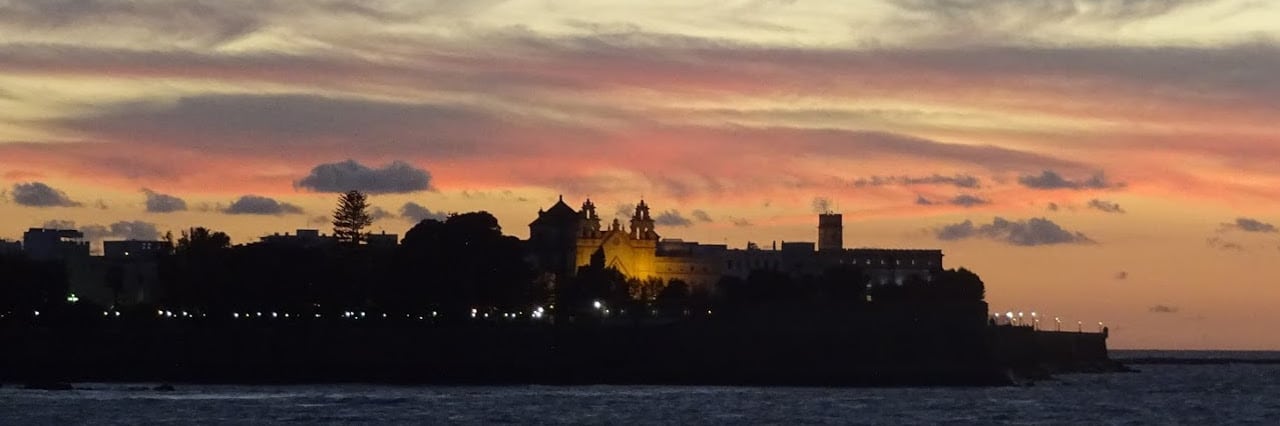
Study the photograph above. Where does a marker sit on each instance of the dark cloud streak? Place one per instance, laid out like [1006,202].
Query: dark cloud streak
[259,205]
[1246,224]
[1105,206]
[395,178]
[415,212]
[1050,180]
[1030,232]
[962,200]
[38,194]
[163,203]
[672,218]
[958,180]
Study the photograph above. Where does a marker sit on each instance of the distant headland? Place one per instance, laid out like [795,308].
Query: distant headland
[457,301]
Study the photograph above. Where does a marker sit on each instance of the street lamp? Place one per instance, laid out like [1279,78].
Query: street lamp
[1059,322]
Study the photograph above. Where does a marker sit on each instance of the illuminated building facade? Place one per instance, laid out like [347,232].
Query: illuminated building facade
[563,239]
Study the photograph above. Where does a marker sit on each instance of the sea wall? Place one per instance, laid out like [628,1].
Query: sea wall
[1038,352]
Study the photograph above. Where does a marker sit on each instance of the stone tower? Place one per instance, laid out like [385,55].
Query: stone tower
[830,232]
[642,224]
[590,220]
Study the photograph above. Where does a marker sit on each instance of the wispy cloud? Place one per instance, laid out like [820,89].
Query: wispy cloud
[1105,206]
[958,180]
[1219,243]
[1246,224]
[702,216]
[962,200]
[1050,179]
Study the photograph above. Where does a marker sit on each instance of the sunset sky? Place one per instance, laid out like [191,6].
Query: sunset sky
[1096,160]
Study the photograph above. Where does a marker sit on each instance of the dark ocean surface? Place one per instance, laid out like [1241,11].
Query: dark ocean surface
[1228,393]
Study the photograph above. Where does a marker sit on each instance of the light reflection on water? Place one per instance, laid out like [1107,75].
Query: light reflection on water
[1159,394]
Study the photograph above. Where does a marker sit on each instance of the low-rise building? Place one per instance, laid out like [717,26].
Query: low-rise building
[54,244]
[136,249]
[302,238]
[10,247]
[382,239]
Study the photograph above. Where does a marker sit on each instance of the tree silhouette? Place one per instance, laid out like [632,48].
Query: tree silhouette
[351,217]
[594,282]
[951,285]
[194,275]
[674,298]
[645,291]
[961,284]
[460,264]
[202,240]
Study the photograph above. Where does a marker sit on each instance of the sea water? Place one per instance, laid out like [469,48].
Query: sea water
[1159,394]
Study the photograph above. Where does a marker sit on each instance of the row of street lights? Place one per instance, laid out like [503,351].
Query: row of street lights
[1020,320]
[537,313]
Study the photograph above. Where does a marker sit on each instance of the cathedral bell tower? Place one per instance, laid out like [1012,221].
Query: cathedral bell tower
[642,224]
[590,220]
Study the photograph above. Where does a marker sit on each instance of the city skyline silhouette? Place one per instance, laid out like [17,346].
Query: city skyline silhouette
[1099,159]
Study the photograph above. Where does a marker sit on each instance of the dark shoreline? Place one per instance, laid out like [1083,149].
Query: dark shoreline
[1195,357]
[888,348]
[1197,361]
